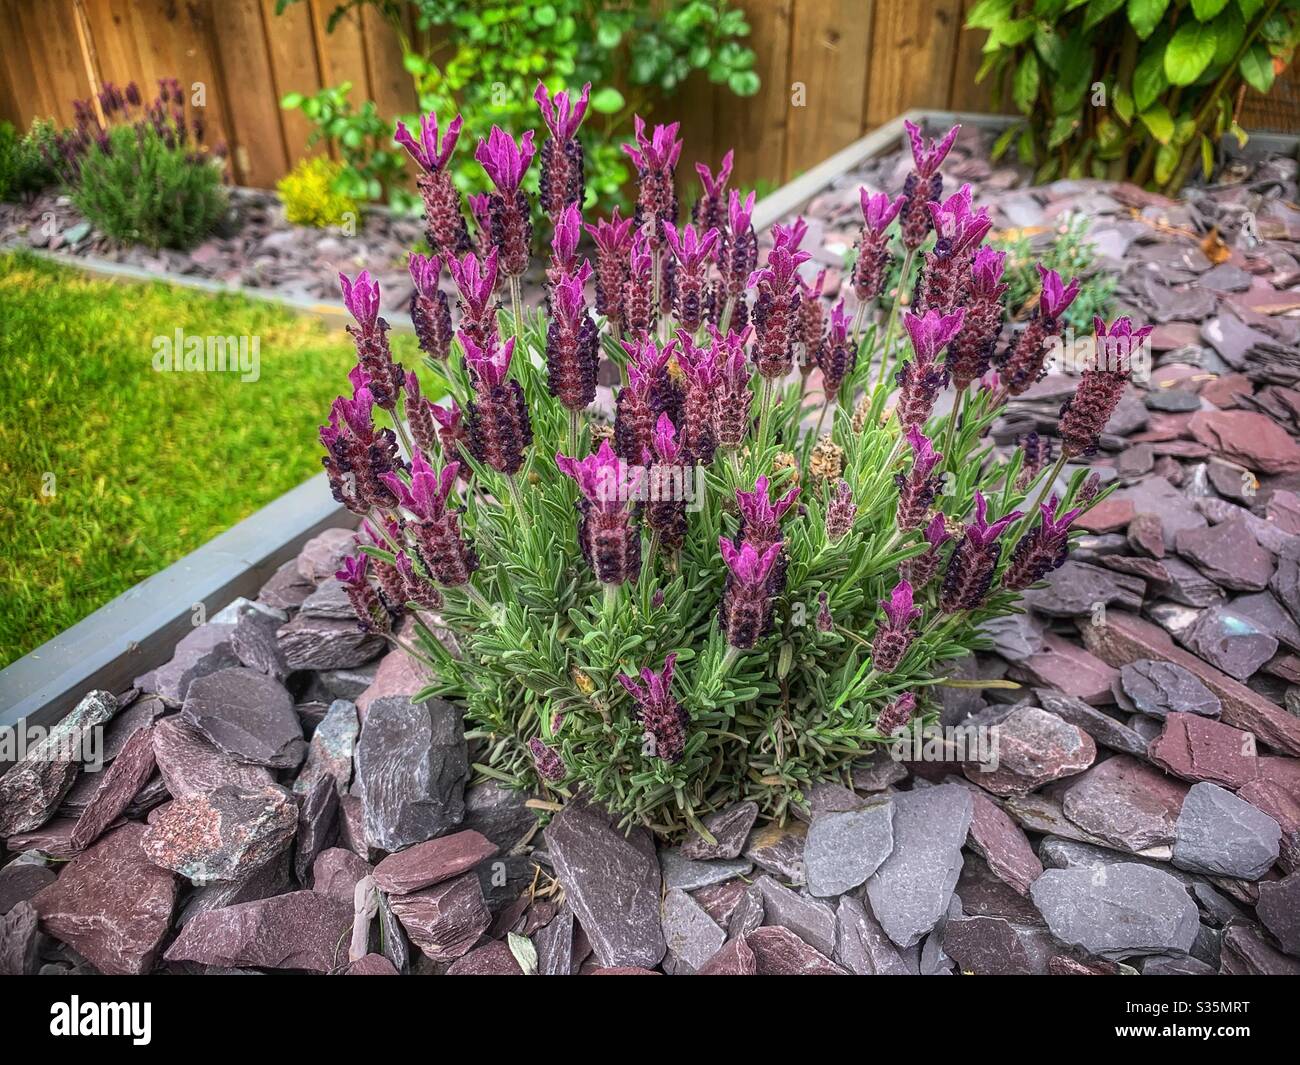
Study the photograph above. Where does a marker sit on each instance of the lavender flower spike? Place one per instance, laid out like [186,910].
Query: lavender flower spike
[872,266]
[1085,414]
[917,490]
[921,569]
[760,518]
[430,313]
[1042,549]
[505,163]
[710,210]
[562,180]
[895,636]
[1023,364]
[440,547]
[370,335]
[609,540]
[923,185]
[970,569]
[663,718]
[746,611]
[498,423]
[693,253]
[444,223]
[928,156]
[896,715]
[921,378]
[371,614]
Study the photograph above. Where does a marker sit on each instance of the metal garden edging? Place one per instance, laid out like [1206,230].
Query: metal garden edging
[137,630]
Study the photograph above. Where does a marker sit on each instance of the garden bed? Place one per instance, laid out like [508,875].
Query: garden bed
[1150,740]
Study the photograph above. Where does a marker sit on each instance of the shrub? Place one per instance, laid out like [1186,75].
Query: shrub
[1142,90]
[697,605]
[490,54]
[310,195]
[27,161]
[145,176]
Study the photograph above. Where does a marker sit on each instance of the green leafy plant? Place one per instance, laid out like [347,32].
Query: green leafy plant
[486,58]
[1137,89]
[137,186]
[1070,254]
[27,161]
[309,194]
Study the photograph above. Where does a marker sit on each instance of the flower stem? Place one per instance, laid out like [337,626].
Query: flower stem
[728,309]
[517,500]
[951,435]
[574,432]
[893,315]
[419,656]
[516,306]
[647,568]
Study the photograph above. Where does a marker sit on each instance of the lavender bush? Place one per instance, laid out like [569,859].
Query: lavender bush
[702,599]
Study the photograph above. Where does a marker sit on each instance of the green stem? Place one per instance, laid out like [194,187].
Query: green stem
[517,500]
[892,325]
[516,306]
[574,433]
[951,436]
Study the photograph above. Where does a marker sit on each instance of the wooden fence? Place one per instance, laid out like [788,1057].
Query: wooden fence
[831,70]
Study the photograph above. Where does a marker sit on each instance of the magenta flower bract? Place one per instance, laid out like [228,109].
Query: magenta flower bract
[564,243]
[613,239]
[572,342]
[928,156]
[746,610]
[505,162]
[663,718]
[1042,549]
[1024,363]
[562,179]
[975,558]
[656,158]
[371,614]
[921,378]
[444,223]
[760,518]
[429,155]
[920,569]
[710,210]
[440,547]
[607,536]
[498,423]
[430,312]
[693,253]
[872,266]
[476,281]
[893,638]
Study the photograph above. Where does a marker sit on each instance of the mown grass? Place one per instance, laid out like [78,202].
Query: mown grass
[111,470]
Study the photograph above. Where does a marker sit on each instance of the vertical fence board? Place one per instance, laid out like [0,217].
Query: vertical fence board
[756,127]
[964,93]
[390,84]
[830,46]
[342,53]
[291,42]
[248,89]
[913,52]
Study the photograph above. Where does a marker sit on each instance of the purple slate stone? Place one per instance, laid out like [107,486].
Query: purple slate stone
[1231,641]
[1169,966]
[1032,747]
[1125,803]
[111,904]
[729,827]
[1279,909]
[498,813]
[190,765]
[1228,554]
[446,920]
[679,872]
[779,952]
[861,945]
[910,892]
[318,819]
[128,721]
[426,864]
[371,965]
[20,880]
[247,716]
[1269,616]
[1161,688]
[720,900]
[1076,588]
[330,600]
[1157,496]
[1223,835]
[1068,668]
[554,945]
[778,849]
[19,940]
[331,748]
[336,873]
[322,555]
[1000,842]
[734,959]
[271,878]
[877,772]
[810,919]
[1197,748]
[205,650]
[121,783]
[493,959]
[994,946]
[1245,952]
[286,589]
[1184,583]
[256,646]
[1118,911]
[411,766]
[30,791]
[612,881]
[1284,808]
[302,930]
[321,643]
[843,849]
[1103,728]
[223,835]
[690,933]
[1254,440]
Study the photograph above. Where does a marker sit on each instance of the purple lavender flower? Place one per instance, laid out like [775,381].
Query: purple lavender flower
[776,312]
[430,313]
[896,715]
[1023,363]
[505,162]
[420,416]
[918,489]
[838,354]
[480,209]
[656,158]
[840,512]
[731,411]
[370,335]
[562,182]
[392,590]
[639,312]
[745,614]
[452,435]
[760,518]
[564,243]
[894,637]
[737,258]
[371,614]
[693,253]
[1037,454]
[825,621]
[971,352]
[947,276]
[613,241]
[444,223]
[970,569]
[416,586]
[357,455]
[920,569]
[812,317]
[547,761]
[872,266]
[664,720]
[665,511]
[440,547]
[710,210]
[921,378]
[1085,414]
[607,535]
[703,380]
[923,184]
[1042,549]
[498,423]
[476,281]
[572,342]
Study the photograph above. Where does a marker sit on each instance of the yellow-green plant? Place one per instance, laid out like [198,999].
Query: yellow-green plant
[310,194]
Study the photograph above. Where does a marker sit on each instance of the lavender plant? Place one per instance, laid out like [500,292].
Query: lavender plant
[688,595]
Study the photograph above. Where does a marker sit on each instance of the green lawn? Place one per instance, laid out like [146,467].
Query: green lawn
[112,470]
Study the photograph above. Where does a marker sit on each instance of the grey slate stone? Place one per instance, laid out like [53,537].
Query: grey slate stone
[843,849]
[811,920]
[681,872]
[861,945]
[690,933]
[1221,834]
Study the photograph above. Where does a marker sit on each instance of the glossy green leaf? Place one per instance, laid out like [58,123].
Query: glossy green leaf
[1099,11]
[607,100]
[1159,122]
[1205,10]
[1189,52]
[1256,67]
[1024,84]
[1145,15]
